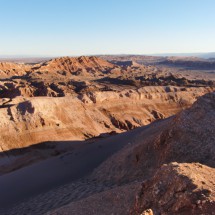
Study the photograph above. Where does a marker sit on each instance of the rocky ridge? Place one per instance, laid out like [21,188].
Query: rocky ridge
[8,69]
[178,188]
[175,160]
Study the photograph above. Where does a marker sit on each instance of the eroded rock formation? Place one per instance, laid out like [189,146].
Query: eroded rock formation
[185,188]
[85,97]
[168,168]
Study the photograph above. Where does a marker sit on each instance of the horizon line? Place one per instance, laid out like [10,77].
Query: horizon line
[108,54]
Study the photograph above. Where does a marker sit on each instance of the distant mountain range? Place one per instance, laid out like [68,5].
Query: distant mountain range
[200,55]
[17,58]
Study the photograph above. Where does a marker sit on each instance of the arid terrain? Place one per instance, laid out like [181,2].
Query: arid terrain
[106,134]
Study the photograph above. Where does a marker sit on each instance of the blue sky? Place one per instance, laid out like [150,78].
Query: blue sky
[79,27]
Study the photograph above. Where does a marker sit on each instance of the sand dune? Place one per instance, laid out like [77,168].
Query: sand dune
[46,175]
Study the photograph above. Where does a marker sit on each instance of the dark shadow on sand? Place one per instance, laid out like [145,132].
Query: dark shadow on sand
[56,171]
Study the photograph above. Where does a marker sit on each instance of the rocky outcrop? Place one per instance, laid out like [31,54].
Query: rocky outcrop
[186,188]
[77,66]
[186,137]
[8,69]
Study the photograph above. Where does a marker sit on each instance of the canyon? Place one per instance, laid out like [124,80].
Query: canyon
[120,130]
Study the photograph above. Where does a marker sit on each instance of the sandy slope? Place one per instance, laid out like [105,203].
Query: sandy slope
[41,177]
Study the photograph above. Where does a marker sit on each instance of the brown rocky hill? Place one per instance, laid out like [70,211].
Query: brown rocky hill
[8,69]
[77,65]
[185,188]
[54,78]
[71,65]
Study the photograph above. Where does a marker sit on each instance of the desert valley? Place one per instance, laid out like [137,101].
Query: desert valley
[107,134]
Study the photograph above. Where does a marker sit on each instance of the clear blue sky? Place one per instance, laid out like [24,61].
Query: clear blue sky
[78,27]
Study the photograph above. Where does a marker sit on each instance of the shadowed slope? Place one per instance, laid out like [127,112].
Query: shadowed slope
[186,137]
